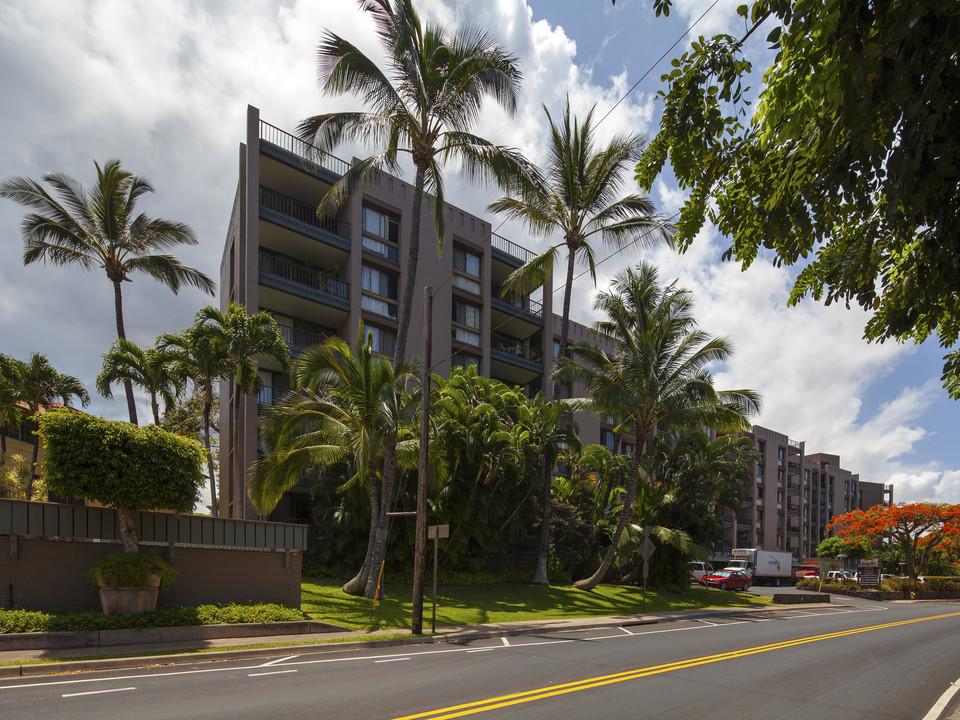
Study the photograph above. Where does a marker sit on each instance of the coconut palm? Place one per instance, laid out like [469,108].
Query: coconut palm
[44,385]
[150,369]
[424,103]
[577,198]
[247,337]
[11,401]
[657,377]
[346,405]
[99,229]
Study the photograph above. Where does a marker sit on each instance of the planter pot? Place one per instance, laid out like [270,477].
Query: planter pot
[129,600]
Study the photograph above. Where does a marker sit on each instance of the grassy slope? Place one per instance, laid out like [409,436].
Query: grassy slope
[323,599]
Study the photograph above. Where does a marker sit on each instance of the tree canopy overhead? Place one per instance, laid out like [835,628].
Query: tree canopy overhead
[850,163]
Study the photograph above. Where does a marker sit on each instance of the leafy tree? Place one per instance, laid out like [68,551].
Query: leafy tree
[917,527]
[577,199]
[15,480]
[11,403]
[856,549]
[346,404]
[849,164]
[44,385]
[424,103]
[185,418]
[656,378]
[99,229]
[151,369]
[88,457]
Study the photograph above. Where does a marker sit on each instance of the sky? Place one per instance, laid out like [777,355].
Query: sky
[165,86]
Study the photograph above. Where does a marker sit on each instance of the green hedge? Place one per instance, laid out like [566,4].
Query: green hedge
[22,621]
[119,464]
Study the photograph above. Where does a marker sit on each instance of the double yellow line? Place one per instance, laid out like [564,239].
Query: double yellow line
[494,703]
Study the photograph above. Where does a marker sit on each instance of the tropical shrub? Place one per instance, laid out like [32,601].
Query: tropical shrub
[131,571]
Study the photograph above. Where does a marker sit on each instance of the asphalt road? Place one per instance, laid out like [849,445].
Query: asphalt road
[850,661]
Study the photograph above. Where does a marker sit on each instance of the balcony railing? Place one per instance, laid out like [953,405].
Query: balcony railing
[520,302]
[303,150]
[515,346]
[299,340]
[302,280]
[498,242]
[304,214]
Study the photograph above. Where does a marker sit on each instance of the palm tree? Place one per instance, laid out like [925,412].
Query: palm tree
[657,376]
[247,337]
[546,428]
[577,198]
[11,403]
[151,369]
[347,404]
[99,229]
[424,104]
[43,385]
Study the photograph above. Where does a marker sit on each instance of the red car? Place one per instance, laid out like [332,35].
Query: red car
[727,580]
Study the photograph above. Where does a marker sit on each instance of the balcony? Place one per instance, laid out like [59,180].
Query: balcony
[303,156]
[508,251]
[746,502]
[514,303]
[302,218]
[301,280]
[515,350]
[793,531]
[299,340]
[793,510]
[793,488]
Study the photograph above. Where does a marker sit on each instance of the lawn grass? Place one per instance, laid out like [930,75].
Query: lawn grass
[322,599]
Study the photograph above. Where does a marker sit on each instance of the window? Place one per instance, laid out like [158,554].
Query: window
[759,473]
[606,438]
[377,228]
[463,361]
[556,349]
[626,448]
[466,321]
[759,492]
[761,447]
[382,284]
[466,261]
[383,341]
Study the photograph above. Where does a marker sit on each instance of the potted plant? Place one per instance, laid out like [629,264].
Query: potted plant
[130,583]
[125,467]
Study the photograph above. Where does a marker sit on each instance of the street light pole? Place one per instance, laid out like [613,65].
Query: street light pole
[419,561]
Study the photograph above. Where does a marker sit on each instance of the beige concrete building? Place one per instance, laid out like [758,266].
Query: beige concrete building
[320,278]
[794,496]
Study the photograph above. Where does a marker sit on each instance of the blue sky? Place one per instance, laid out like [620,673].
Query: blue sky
[165,86]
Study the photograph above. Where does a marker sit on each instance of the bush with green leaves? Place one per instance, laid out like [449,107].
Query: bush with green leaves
[132,571]
[119,464]
[22,621]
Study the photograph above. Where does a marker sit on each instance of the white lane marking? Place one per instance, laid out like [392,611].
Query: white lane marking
[486,649]
[272,672]
[174,673]
[506,643]
[395,659]
[97,692]
[705,622]
[623,629]
[279,660]
[940,705]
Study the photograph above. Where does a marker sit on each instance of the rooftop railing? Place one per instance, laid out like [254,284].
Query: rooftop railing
[302,149]
[511,248]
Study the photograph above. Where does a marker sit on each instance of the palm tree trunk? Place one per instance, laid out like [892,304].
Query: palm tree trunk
[565,318]
[591,582]
[127,384]
[33,465]
[410,280]
[156,409]
[128,530]
[207,405]
[358,584]
[543,546]
[383,521]
[3,445]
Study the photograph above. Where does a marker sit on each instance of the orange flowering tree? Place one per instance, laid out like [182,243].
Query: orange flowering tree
[918,527]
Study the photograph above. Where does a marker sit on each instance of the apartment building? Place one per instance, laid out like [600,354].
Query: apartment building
[794,496]
[321,278]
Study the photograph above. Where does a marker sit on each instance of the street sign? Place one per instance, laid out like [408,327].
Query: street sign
[438,532]
[646,549]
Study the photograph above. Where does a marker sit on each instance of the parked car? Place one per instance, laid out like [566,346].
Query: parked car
[697,570]
[727,580]
[806,571]
[840,576]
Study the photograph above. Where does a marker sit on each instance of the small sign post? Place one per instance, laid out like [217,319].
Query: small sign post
[435,532]
[646,550]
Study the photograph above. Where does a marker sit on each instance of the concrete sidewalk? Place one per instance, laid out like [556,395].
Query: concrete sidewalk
[229,647]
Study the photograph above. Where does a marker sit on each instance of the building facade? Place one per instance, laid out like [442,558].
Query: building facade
[794,496]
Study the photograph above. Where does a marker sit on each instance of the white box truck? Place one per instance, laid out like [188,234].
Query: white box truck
[766,567]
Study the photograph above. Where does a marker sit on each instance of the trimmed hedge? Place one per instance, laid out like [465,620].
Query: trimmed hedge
[24,621]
